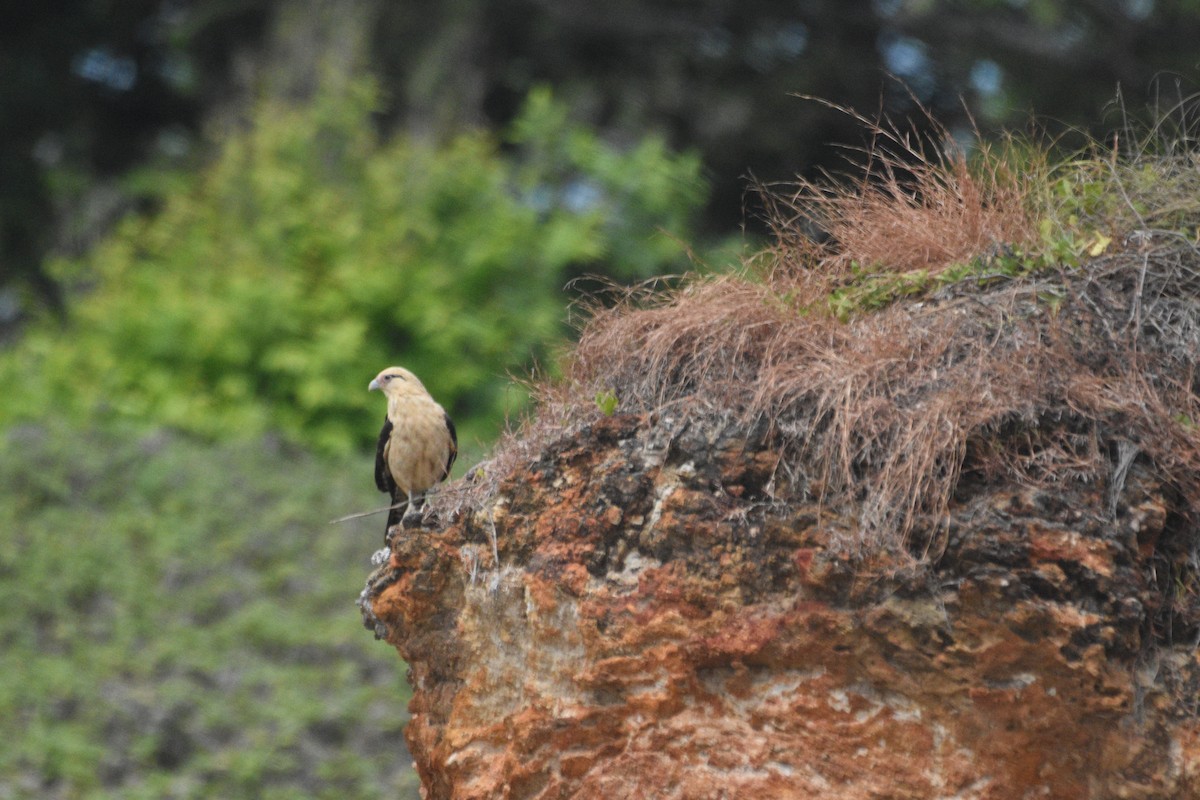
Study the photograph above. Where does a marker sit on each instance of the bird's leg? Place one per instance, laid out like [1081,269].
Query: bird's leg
[396,517]
[414,514]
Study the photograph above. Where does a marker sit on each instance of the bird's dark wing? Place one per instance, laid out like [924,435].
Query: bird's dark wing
[453,446]
[383,475]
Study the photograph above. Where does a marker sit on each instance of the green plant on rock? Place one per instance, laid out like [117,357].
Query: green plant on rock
[1042,215]
[607,402]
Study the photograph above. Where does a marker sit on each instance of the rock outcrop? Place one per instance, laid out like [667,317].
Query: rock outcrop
[908,510]
[639,616]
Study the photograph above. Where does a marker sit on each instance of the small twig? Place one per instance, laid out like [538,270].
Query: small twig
[1135,316]
[492,536]
[362,514]
[1126,452]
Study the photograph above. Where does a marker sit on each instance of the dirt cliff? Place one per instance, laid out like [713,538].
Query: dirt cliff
[927,531]
[656,626]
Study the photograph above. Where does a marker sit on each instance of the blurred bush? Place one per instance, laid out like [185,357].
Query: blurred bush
[264,293]
[179,622]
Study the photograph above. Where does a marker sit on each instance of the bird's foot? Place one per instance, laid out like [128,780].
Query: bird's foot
[413,518]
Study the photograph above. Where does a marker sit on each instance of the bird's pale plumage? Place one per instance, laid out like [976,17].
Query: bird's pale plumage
[417,445]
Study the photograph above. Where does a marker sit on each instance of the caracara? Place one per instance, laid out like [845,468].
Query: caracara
[417,446]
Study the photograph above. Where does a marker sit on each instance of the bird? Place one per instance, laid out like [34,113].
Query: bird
[417,445]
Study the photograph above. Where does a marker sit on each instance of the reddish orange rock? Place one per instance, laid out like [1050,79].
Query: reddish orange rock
[659,627]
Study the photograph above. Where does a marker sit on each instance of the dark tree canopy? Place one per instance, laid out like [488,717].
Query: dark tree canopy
[91,89]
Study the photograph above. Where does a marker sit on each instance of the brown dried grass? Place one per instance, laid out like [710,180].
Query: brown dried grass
[911,201]
[1039,379]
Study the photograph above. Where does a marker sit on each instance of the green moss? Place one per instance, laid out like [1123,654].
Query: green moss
[1085,208]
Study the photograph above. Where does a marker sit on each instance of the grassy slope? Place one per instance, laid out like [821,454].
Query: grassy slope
[179,622]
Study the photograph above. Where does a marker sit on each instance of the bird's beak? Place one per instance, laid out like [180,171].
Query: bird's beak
[372,385]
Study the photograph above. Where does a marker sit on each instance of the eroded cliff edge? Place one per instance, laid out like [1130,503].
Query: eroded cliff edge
[913,534]
[657,626]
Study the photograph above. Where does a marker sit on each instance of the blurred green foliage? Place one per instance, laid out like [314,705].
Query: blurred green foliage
[179,622]
[264,294]
[179,616]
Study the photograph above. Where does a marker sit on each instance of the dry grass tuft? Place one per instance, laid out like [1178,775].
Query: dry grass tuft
[913,202]
[1064,342]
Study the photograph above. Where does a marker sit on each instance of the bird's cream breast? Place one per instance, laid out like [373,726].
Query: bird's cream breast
[420,442]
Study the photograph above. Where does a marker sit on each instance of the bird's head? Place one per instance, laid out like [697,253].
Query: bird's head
[396,382]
